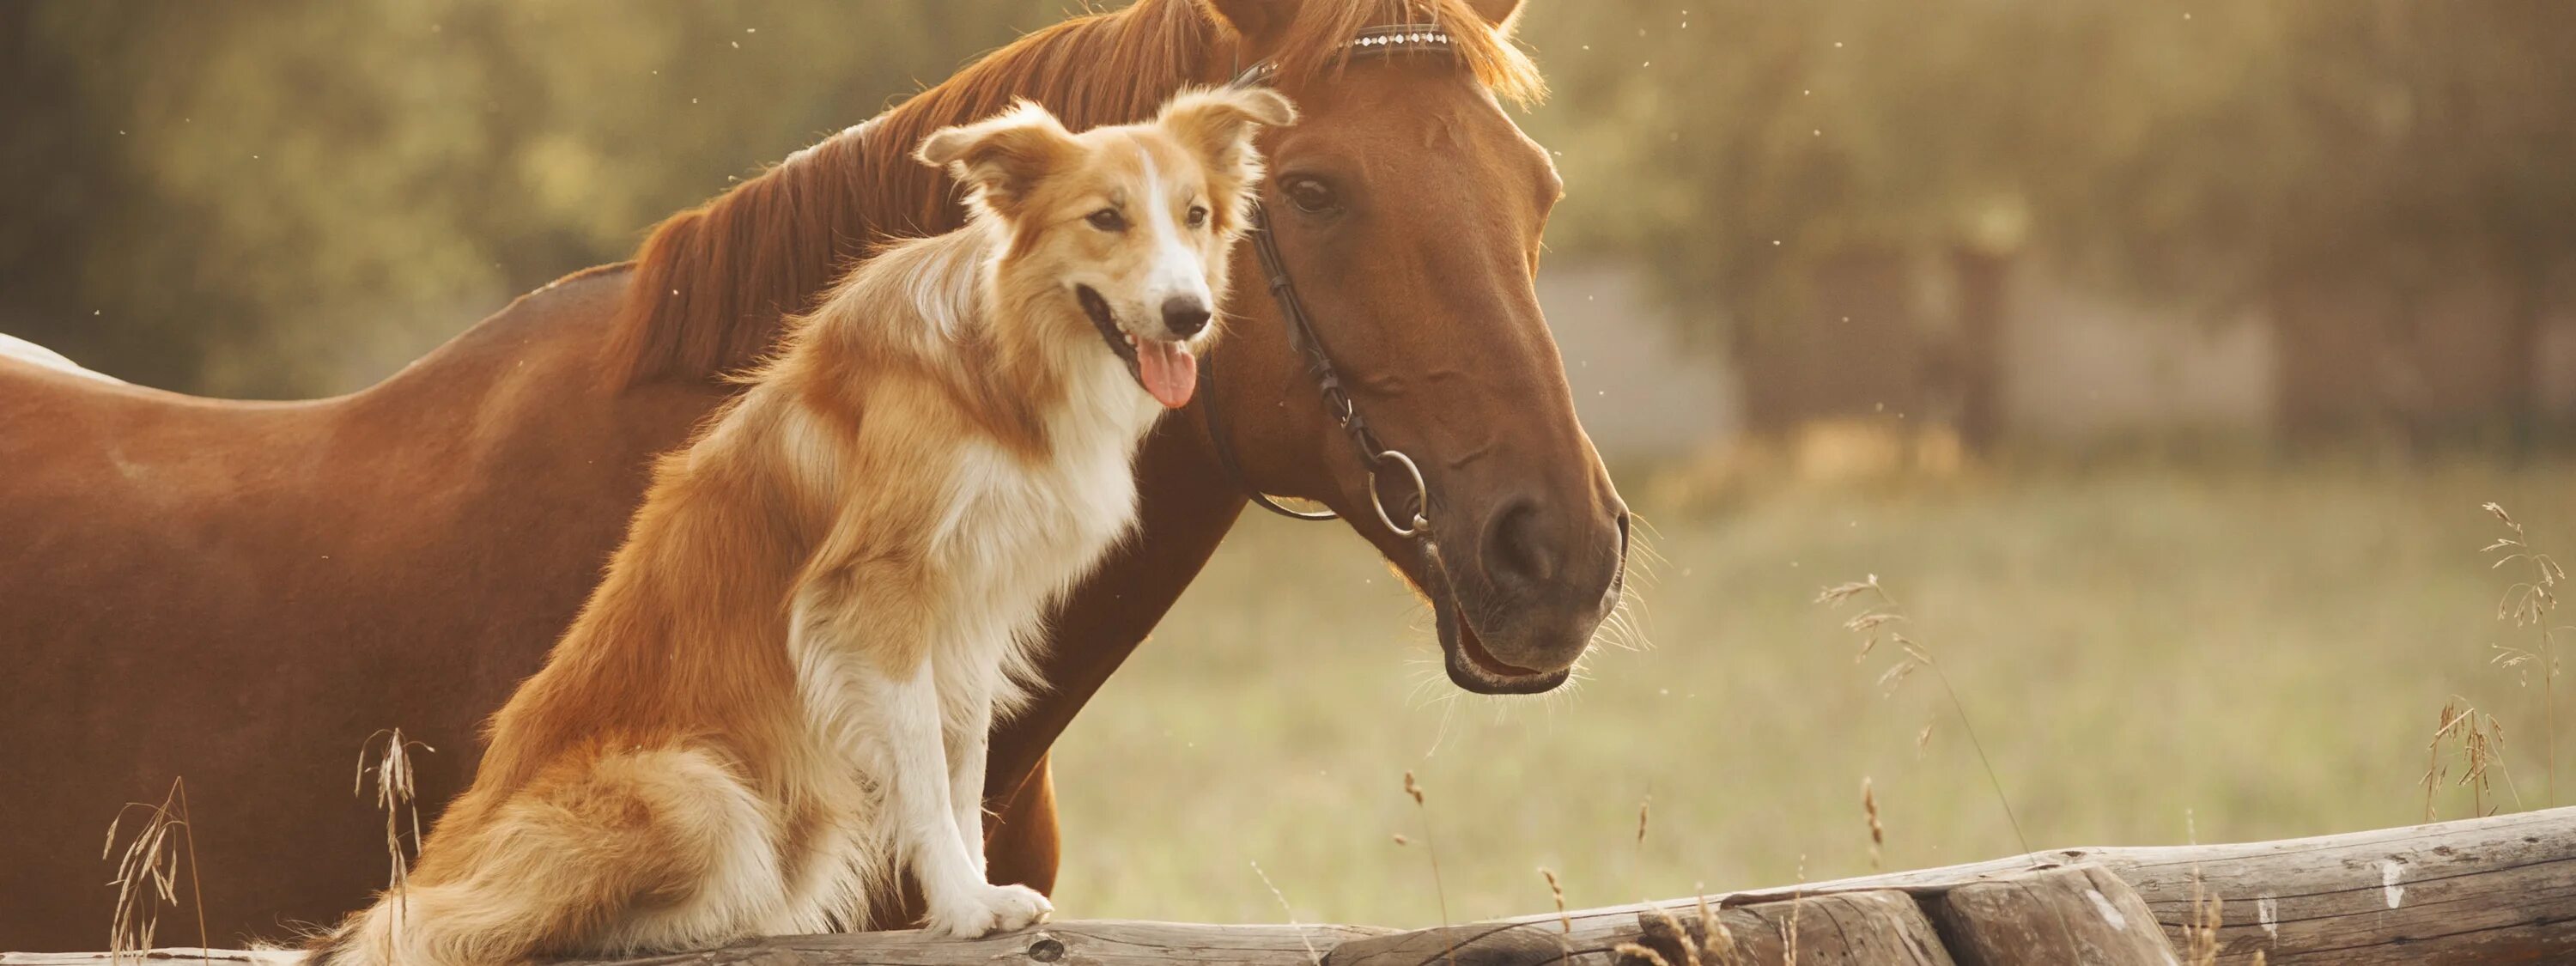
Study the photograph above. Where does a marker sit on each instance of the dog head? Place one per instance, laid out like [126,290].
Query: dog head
[1125,227]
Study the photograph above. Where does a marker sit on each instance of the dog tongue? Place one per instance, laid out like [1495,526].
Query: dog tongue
[1168,370]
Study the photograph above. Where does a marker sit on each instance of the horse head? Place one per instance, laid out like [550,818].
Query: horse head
[1404,376]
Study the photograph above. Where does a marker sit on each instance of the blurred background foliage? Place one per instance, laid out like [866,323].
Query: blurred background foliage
[293,198]
[285,199]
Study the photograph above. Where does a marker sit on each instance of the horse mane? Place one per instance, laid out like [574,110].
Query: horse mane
[711,285]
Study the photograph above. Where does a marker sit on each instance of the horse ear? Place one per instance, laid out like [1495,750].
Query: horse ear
[1257,21]
[1503,14]
[1001,157]
[1218,123]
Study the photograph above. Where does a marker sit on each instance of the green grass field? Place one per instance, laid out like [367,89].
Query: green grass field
[2248,653]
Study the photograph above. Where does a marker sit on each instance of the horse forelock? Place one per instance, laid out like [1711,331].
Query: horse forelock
[711,284]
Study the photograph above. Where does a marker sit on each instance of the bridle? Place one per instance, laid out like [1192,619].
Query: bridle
[1374,454]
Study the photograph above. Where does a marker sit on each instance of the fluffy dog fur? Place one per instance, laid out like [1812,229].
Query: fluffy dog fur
[783,690]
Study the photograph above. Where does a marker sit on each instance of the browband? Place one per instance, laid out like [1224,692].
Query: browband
[1374,41]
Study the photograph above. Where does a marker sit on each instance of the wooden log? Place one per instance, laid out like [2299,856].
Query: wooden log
[1476,945]
[1857,928]
[2079,916]
[2490,890]
[1105,942]
[2500,889]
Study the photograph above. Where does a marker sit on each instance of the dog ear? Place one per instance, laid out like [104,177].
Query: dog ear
[1218,124]
[1001,157]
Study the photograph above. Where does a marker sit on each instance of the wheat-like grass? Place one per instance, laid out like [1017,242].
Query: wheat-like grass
[1877,620]
[1643,806]
[1716,940]
[1422,806]
[398,797]
[1877,832]
[2480,740]
[1641,951]
[1556,891]
[2528,603]
[2200,934]
[148,870]
[1312,956]
[1681,936]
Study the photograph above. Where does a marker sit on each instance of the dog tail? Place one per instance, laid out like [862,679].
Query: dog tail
[366,938]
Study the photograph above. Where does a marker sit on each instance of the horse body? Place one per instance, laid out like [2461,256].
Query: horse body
[243,615]
[12,347]
[240,594]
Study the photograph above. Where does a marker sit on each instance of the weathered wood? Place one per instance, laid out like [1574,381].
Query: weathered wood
[1082,943]
[2079,915]
[2487,890]
[1478,945]
[2490,890]
[173,956]
[1858,928]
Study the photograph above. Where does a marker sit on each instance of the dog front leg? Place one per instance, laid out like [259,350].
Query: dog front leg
[970,740]
[918,782]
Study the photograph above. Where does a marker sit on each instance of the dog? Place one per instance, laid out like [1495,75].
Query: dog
[782,693]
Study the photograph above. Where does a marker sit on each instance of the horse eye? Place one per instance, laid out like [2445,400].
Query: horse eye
[1108,219]
[1310,195]
[1198,216]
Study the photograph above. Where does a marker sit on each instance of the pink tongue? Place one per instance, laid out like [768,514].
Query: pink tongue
[1168,370]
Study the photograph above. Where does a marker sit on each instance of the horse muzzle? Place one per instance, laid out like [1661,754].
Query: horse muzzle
[1526,597]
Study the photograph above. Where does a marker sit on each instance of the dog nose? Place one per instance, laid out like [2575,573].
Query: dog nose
[1184,315]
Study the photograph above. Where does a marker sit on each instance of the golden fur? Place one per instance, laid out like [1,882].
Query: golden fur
[783,688]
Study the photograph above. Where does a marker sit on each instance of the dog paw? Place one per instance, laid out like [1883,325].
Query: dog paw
[988,909]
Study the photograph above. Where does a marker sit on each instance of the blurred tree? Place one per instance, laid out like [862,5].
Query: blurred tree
[2213,156]
[289,198]
[296,197]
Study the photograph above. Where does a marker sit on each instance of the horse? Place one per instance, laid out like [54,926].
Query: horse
[12,347]
[243,594]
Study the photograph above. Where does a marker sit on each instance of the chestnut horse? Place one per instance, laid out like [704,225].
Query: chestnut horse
[242,593]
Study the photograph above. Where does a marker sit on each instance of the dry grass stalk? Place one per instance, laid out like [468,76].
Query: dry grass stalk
[1789,934]
[1423,807]
[1642,805]
[1789,929]
[1312,956]
[2200,933]
[1717,941]
[148,869]
[1877,832]
[1556,890]
[2480,739]
[398,798]
[2528,603]
[1681,936]
[1641,951]
[1876,620]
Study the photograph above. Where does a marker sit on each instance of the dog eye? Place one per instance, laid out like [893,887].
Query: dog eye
[1310,195]
[1108,219]
[1198,216]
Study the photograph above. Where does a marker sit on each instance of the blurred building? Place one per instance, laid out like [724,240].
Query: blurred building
[2068,363]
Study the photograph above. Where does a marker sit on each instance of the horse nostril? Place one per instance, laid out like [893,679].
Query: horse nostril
[1184,315]
[1516,552]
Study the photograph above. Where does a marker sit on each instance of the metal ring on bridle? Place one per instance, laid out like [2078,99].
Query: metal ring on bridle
[1421,492]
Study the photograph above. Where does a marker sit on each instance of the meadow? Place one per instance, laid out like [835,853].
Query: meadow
[2150,655]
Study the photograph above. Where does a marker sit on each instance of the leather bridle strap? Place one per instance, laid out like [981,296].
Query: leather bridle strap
[1374,455]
